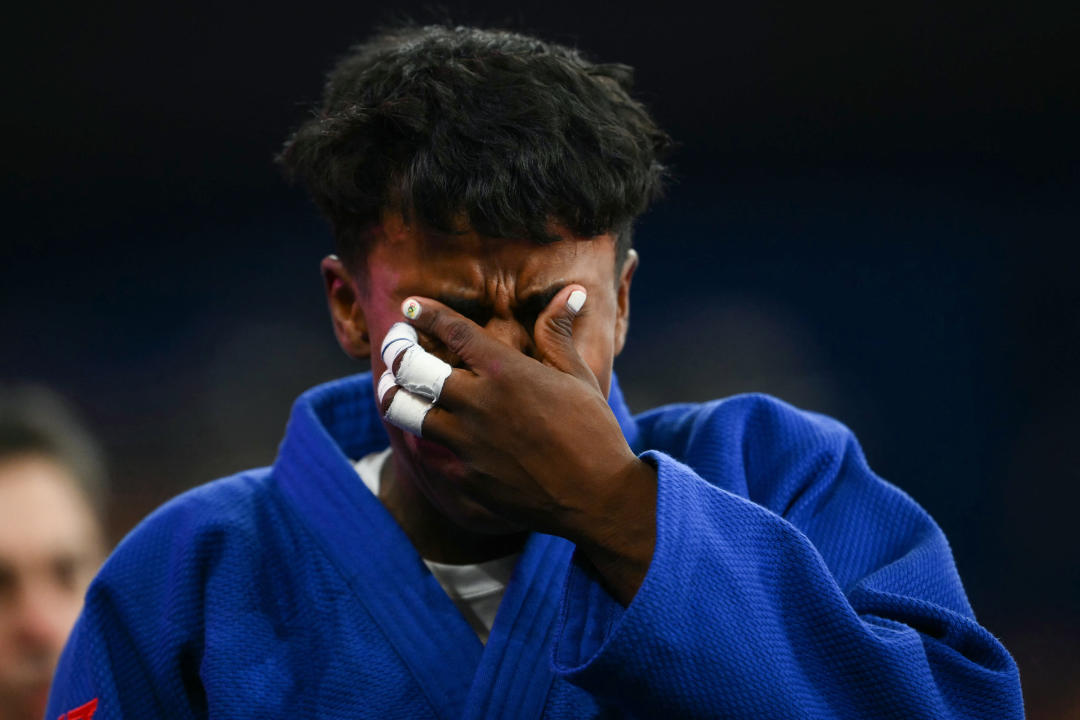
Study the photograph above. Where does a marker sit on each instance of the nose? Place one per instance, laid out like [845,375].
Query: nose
[511,332]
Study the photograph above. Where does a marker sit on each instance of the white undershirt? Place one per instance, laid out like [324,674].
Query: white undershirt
[476,589]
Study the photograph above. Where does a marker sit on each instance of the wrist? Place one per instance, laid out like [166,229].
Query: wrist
[618,536]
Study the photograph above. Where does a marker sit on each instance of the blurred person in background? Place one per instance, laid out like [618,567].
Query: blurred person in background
[52,497]
[479,527]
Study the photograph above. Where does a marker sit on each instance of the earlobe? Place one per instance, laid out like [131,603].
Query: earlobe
[346,313]
[622,310]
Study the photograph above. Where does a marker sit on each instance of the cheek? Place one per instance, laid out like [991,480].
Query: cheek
[68,613]
[595,345]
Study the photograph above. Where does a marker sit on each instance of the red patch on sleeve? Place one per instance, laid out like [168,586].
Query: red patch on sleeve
[83,712]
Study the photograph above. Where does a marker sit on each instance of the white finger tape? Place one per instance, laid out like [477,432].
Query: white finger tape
[398,337]
[422,373]
[386,381]
[407,411]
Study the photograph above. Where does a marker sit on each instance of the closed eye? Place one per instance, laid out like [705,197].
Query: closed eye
[529,309]
[476,309]
[526,311]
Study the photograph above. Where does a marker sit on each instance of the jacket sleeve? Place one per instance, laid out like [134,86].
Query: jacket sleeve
[787,581]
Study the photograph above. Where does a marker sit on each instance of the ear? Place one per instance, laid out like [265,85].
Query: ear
[622,310]
[343,298]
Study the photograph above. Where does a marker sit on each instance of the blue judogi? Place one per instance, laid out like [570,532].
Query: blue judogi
[788,581]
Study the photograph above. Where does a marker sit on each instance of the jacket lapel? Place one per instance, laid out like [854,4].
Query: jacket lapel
[377,559]
[337,422]
[515,673]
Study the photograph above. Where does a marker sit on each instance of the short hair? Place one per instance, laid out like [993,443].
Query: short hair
[490,130]
[37,421]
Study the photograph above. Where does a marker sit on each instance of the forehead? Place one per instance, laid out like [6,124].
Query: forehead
[41,510]
[406,254]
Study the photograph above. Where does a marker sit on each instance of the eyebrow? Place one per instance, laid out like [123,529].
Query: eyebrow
[528,308]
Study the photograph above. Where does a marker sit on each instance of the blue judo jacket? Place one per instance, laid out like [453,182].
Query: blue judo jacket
[788,581]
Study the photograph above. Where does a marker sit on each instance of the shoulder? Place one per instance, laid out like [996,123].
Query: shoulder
[143,627]
[746,422]
[177,549]
[230,504]
[754,445]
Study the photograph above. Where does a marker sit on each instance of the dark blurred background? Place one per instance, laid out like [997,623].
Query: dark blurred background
[874,215]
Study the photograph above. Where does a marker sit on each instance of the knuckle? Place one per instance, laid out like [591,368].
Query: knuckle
[457,335]
[561,324]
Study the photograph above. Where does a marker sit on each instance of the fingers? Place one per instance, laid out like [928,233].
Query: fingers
[416,381]
[413,367]
[554,333]
[460,335]
[400,407]
[397,338]
[413,413]
[406,399]
[420,372]
[413,381]
[386,384]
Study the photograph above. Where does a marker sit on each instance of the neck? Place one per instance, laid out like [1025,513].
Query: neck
[436,537]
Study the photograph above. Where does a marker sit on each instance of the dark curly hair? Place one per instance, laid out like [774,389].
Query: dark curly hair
[459,128]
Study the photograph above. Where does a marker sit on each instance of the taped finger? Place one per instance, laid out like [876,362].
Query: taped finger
[407,411]
[398,337]
[421,372]
[386,381]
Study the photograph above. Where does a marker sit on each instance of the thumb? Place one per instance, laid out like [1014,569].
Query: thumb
[554,333]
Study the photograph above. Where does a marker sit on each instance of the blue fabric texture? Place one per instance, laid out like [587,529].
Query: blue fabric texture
[788,581]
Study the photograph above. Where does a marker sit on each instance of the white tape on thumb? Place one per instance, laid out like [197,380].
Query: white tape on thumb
[422,373]
[407,411]
[398,337]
